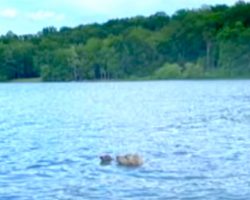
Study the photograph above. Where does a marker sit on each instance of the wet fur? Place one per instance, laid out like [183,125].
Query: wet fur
[132,160]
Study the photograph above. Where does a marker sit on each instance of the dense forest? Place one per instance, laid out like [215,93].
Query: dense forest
[210,42]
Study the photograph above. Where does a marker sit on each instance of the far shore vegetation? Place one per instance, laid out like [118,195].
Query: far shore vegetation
[212,42]
[26,80]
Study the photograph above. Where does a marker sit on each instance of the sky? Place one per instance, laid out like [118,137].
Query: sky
[31,16]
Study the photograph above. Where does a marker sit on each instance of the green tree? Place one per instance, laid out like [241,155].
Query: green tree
[234,58]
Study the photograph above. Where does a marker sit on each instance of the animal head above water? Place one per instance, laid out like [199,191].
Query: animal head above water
[106,159]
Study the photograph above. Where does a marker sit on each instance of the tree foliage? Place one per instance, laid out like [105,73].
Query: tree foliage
[213,41]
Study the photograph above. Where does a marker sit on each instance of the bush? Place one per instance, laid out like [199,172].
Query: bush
[168,71]
[3,78]
[193,71]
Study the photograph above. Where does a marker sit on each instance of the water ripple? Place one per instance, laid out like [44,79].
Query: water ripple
[194,146]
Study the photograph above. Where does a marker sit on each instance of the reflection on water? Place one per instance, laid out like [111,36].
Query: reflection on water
[194,137]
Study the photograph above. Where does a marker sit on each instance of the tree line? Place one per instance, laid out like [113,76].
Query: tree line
[209,42]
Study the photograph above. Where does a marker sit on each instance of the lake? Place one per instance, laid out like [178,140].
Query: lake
[194,137]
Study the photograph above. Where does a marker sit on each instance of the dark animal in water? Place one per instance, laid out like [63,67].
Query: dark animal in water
[106,159]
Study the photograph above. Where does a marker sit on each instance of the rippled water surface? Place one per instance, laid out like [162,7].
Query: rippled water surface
[194,137]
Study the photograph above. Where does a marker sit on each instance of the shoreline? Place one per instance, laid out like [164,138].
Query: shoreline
[39,80]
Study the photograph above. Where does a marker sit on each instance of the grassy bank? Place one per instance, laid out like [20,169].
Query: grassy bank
[27,80]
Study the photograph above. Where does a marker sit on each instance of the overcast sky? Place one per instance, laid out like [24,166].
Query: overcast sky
[30,16]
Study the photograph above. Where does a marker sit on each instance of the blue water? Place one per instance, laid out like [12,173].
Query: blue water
[193,135]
